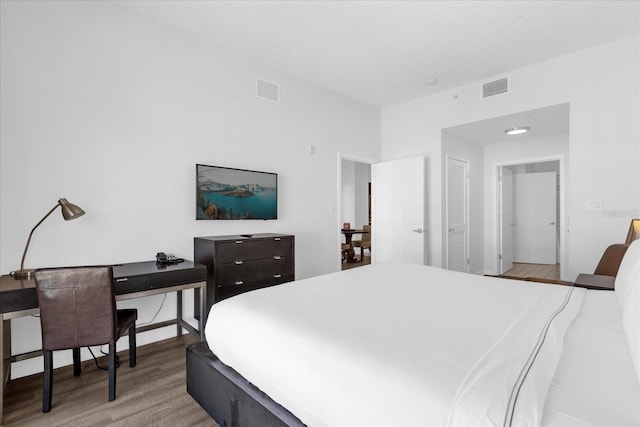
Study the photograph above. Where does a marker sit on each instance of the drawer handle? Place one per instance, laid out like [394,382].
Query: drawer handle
[238,242]
[277,276]
[277,239]
[277,257]
[238,262]
[124,279]
[238,282]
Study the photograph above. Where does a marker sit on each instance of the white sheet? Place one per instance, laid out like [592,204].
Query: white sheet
[397,345]
[595,384]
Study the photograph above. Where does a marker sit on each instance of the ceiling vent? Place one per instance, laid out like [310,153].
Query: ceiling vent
[495,87]
[268,91]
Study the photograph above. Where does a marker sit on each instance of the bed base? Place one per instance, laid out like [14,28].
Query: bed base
[229,398]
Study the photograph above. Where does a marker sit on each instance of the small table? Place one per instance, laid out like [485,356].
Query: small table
[348,236]
[595,281]
[130,280]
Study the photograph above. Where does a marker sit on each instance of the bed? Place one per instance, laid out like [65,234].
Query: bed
[408,345]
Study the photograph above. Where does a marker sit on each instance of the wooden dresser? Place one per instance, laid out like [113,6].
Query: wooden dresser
[241,263]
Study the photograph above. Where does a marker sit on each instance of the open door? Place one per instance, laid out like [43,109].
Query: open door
[399,211]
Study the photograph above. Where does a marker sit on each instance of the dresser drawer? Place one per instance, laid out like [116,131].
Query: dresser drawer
[247,249]
[249,271]
[223,292]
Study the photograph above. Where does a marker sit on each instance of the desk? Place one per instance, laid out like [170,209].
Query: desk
[130,280]
[348,236]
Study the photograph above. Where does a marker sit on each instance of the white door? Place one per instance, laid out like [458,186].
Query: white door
[535,217]
[505,180]
[398,217]
[457,215]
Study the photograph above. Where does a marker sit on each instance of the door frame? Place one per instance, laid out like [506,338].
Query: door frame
[338,213]
[562,220]
[446,210]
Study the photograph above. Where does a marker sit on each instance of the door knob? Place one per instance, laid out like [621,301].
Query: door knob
[452,230]
[418,230]
[552,223]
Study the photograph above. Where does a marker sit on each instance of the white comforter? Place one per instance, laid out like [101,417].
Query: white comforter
[394,345]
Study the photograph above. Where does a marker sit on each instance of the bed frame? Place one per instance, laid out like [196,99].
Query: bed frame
[229,398]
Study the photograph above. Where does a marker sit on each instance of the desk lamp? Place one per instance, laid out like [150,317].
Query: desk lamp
[69,212]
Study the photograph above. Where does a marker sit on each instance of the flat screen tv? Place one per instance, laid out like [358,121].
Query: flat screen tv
[227,193]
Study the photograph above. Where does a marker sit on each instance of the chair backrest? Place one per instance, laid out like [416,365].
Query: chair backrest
[634,231]
[610,260]
[366,237]
[77,306]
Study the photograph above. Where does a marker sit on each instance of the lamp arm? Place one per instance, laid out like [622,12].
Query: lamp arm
[31,234]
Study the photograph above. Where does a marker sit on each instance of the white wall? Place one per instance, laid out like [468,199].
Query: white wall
[355,179]
[113,111]
[602,86]
[348,185]
[361,196]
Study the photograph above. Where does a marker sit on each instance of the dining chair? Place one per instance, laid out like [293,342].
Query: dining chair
[364,242]
[78,309]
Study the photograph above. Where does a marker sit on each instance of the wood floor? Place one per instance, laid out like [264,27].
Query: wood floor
[544,271]
[366,260]
[153,393]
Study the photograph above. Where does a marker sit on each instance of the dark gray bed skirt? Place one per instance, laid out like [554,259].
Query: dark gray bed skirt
[228,398]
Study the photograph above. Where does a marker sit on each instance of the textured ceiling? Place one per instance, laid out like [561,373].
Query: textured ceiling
[384,52]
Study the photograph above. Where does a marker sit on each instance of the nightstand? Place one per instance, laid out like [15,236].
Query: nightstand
[595,281]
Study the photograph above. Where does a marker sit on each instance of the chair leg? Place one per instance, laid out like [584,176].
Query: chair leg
[132,345]
[76,362]
[47,387]
[112,371]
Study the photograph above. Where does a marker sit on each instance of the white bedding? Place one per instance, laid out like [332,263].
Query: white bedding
[391,344]
[595,384]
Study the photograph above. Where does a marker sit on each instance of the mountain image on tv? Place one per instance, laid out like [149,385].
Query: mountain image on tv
[226,193]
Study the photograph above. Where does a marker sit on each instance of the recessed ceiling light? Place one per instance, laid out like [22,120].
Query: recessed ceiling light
[517,130]
[432,81]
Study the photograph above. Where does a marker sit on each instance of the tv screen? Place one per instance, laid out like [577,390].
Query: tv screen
[227,193]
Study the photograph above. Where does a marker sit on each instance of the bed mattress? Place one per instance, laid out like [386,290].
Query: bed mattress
[400,344]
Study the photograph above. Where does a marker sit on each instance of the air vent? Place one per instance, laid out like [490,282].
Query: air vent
[268,91]
[495,87]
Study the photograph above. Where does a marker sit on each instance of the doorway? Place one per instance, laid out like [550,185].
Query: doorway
[529,225]
[354,209]
[398,208]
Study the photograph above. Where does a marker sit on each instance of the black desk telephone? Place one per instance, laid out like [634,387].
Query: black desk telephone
[163,258]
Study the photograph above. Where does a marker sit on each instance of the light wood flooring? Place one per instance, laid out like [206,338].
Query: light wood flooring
[544,271]
[153,393]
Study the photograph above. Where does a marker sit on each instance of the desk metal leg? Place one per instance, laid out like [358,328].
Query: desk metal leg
[203,312]
[179,312]
[5,357]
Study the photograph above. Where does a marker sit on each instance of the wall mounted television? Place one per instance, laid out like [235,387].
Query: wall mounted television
[227,193]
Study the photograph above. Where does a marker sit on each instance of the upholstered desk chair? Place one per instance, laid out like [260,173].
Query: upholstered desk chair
[610,260]
[78,309]
[365,242]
